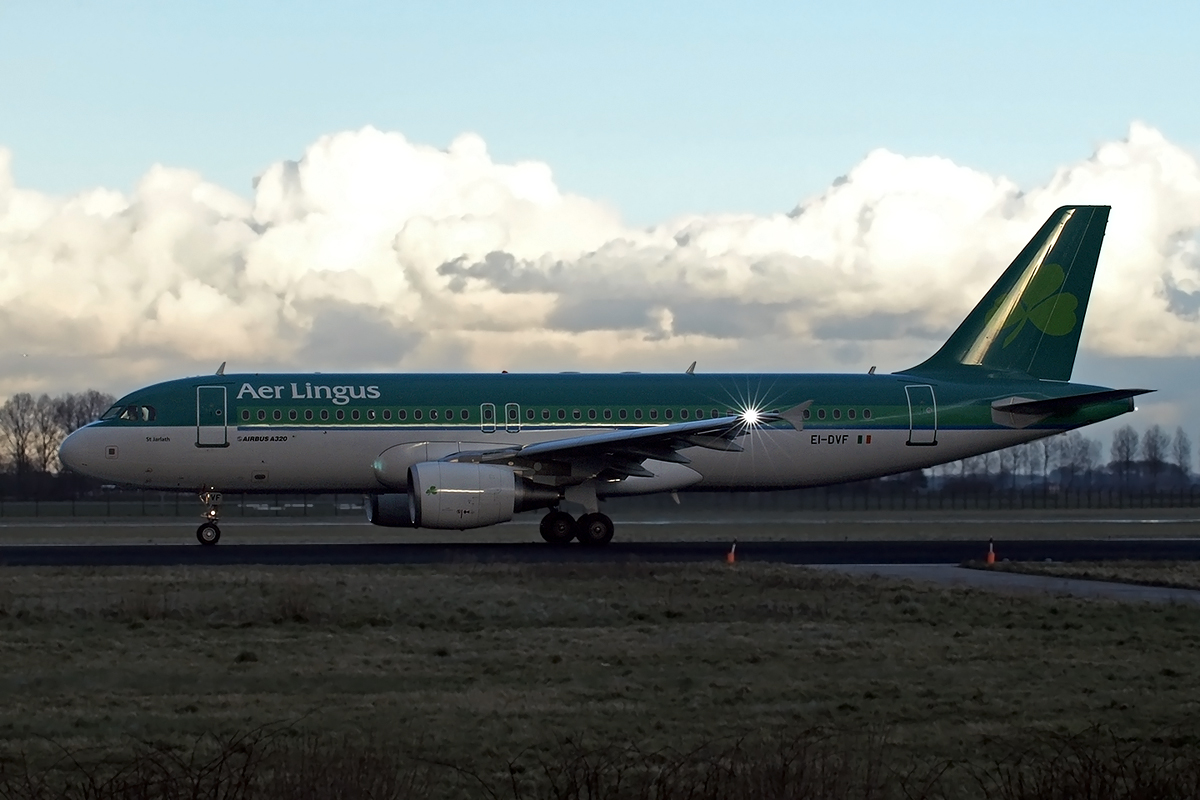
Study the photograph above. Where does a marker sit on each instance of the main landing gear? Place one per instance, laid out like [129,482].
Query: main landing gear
[592,530]
[209,533]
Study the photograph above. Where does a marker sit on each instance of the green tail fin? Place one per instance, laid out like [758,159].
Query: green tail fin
[1030,320]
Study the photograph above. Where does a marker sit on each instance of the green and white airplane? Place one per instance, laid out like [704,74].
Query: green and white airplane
[467,451]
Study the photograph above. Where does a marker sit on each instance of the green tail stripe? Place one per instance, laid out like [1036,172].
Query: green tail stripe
[1029,322]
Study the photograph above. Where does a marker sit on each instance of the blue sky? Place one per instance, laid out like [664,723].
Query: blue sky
[655,108]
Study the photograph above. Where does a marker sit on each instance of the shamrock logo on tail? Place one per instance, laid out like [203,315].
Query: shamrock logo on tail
[1042,305]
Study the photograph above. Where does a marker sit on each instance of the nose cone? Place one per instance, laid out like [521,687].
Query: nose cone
[74,451]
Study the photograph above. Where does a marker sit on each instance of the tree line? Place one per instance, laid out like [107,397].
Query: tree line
[1153,459]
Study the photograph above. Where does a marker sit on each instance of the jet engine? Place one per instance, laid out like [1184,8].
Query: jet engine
[389,510]
[444,494]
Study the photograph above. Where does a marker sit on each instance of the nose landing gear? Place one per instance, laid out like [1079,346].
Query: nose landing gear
[209,533]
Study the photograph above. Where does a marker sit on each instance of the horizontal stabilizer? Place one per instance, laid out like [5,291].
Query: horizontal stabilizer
[1065,405]
[1021,412]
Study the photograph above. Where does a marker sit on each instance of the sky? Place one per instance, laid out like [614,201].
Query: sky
[549,186]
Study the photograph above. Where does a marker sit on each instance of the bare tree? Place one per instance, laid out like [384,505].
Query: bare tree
[1049,450]
[76,410]
[46,435]
[1124,451]
[17,424]
[1154,451]
[1181,452]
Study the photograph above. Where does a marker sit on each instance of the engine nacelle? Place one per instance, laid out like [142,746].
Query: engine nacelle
[389,510]
[444,494]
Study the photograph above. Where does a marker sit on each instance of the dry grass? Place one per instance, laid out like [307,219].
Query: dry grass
[480,664]
[1169,574]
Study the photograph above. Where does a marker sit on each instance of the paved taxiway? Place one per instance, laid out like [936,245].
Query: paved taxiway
[794,552]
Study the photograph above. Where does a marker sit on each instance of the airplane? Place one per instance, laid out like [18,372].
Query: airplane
[472,450]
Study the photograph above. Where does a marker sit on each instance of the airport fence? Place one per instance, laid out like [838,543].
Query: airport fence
[866,497]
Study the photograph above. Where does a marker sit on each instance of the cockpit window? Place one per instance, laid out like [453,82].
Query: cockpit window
[133,413]
[113,412]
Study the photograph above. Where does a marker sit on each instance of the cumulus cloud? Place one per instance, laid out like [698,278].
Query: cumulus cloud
[374,252]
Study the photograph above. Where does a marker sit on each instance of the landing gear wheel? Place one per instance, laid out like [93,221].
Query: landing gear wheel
[594,530]
[208,533]
[558,527]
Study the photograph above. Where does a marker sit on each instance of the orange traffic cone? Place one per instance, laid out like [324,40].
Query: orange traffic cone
[731,556]
[991,556]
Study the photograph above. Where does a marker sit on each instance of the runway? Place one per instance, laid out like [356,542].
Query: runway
[781,552]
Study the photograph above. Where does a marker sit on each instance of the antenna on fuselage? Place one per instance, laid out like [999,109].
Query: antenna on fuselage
[221,369]
[690,370]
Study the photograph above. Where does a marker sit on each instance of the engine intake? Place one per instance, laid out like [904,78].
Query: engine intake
[450,495]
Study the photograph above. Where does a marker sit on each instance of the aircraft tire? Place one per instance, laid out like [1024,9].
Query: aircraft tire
[208,534]
[558,527]
[594,530]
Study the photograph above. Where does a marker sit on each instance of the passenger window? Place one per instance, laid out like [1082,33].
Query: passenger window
[669,413]
[417,414]
[402,414]
[576,415]
[354,414]
[277,415]
[683,413]
[463,415]
[529,415]
[820,413]
[637,413]
[292,414]
[608,413]
[807,414]
[262,414]
[654,413]
[545,413]
[562,413]
[387,413]
[623,413]
[341,414]
[837,413]
[432,413]
[308,414]
[850,413]
[450,415]
[715,413]
[866,413]
[591,413]
[245,415]
[371,414]
[324,414]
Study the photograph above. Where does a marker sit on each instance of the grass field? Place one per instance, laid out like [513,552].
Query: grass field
[481,664]
[1173,574]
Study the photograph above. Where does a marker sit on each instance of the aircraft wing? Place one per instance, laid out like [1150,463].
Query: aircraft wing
[620,453]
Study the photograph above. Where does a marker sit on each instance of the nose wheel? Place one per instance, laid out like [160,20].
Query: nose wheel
[208,533]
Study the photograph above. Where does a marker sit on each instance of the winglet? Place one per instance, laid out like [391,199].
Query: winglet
[794,416]
[221,369]
[691,370]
